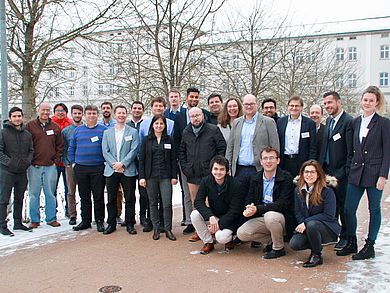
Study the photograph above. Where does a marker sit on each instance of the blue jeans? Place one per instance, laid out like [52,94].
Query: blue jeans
[46,177]
[354,195]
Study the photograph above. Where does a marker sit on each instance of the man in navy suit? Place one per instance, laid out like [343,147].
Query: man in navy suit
[174,98]
[297,136]
[316,114]
[337,152]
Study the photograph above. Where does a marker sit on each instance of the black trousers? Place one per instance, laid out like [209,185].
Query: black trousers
[91,179]
[291,165]
[8,181]
[128,185]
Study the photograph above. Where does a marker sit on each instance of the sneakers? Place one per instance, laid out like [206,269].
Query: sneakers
[54,224]
[20,226]
[207,248]
[189,229]
[274,253]
[6,232]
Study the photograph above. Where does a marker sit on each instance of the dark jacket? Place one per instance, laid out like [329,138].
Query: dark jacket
[325,212]
[16,148]
[196,151]
[282,195]
[340,146]
[145,159]
[226,205]
[371,158]
[320,136]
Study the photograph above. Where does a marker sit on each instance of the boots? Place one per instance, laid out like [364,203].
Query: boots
[366,252]
[351,247]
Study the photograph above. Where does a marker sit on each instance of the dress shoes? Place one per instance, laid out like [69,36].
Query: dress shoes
[229,246]
[110,229]
[34,225]
[142,221]
[189,229]
[207,248]
[237,241]
[313,261]
[82,226]
[119,220]
[20,226]
[341,244]
[274,254]
[256,244]
[148,228]
[194,237]
[6,232]
[131,230]
[100,226]
[170,235]
[54,224]
[156,234]
[183,223]
[72,221]
[161,229]
[267,248]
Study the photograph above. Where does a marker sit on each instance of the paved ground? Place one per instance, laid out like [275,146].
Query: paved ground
[70,261]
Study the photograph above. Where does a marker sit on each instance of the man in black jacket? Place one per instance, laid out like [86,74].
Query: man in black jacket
[16,154]
[269,206]
[218,206]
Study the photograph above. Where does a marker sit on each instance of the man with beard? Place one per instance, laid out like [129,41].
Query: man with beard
[67,134]
[16,154]
[215,106]
[108,121]
[268,108]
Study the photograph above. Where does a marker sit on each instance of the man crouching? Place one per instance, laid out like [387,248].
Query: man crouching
[218,206]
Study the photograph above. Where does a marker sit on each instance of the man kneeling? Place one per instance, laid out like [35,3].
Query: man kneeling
[218,206]
[268,206]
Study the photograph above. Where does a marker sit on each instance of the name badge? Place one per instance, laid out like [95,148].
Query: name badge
[365,132]
[50,132]
[94,139]
[267,198]
[336,137]
[167,146]
[305,134]
[128,138]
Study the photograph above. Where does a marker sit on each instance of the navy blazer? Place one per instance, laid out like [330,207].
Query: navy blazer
[371,158]
[325,212]
[319,138]
[307,146]
[340,146]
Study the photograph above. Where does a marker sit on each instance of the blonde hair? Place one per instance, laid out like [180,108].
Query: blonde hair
[372,89]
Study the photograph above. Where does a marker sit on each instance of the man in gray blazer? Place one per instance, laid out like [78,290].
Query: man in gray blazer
[120,146]
[250,134]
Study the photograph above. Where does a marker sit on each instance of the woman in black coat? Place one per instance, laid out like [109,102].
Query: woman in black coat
[315,210]
[158,172]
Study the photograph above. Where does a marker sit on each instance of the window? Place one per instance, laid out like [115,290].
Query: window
[85,70]
[119,48]
[340,54]
[236,61]
[352,53]
[85,90]
[352,38]
[310,57]
[111,89]
[202,85]
[340,39]
[272,56]
[57,92]
[385,52]
[112,69]
[148,44]
[71,91]
[202,64]
[225,61]
[100,89]
[339,80]
[300,57]
[352,80]
[384,79]
[72,73]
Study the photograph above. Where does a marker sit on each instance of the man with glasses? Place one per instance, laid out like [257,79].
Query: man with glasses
[297,135]
[268,108]
[268,206]
[250,134]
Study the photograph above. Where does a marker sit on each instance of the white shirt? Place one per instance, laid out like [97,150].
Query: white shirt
[337,118]
[363,126]
[118,140]
[292,135]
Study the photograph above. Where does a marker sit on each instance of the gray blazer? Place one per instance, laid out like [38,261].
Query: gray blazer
[128,151]
[266,135]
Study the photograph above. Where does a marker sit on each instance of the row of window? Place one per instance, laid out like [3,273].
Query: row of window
[384,53]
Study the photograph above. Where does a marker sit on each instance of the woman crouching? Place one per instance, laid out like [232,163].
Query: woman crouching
[315,210]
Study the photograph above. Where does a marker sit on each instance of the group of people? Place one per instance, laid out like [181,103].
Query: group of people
[245,176]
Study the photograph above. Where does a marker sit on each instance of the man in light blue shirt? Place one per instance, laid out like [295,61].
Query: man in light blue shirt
[108,121]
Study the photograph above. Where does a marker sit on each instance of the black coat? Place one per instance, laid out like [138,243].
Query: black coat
[16,149]
[320,136]
[196,151]
[226,205]
[145,159]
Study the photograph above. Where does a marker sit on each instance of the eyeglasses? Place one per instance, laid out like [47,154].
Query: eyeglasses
[271,159]
[60,111]
[249,104]
[195,116]
[312,172]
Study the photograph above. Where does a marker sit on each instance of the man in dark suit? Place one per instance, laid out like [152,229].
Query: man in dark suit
[174,98]
[316,114]
[337,152]
[297,136]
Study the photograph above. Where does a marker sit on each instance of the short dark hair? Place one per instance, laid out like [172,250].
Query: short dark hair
[269,149]
[91,108]
[14,109]
[213,96]
[61,105]
[158,100]
[139,103]
[220,160]
[267,101]
[121,107]
[335,95]
[76,107]
[192,90]
[106,103]
[295,98]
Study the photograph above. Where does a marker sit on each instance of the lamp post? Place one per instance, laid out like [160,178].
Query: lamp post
[4,69]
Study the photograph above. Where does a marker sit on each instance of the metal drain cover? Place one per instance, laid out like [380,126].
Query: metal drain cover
[110,289]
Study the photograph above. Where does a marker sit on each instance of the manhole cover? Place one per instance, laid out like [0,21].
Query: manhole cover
[110,289]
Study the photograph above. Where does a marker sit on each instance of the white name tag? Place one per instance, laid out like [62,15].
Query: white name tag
[337,136]
[268,198]
[128,138]
[50,132]
[167,146]
[305,134]
[94,139]
[365,132]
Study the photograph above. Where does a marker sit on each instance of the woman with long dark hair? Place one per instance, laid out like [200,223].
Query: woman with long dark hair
[369,171]
[231,110]
[158,172]
[315,210]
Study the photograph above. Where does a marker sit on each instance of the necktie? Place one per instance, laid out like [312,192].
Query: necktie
[330,129]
